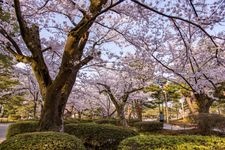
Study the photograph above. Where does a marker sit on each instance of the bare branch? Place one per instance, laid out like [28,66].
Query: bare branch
[85,60]
[46,49]
[21,21]
[186,47]
[7,36]
[46,2]
[193,7]
[109,92]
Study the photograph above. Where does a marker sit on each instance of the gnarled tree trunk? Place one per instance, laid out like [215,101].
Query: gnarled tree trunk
[54,104]
[138,108]
[191,105]
[121,115]
[55,92]
[204,102]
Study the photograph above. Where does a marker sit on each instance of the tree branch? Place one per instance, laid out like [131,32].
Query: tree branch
[193,7]
[85,61]
[46,49]
[21,21]
[126,94]
[6,35]
[46,2]
[109,92]
[181,19]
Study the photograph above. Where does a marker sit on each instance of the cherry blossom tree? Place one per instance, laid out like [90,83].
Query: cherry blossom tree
[85,96]
[57,38]
[27,46]
[186,39]
[124,83]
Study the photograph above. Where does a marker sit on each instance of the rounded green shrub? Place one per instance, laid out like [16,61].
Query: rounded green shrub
[160,142]
[86,120]
[99,136]
[148,126]
[42,141]
[70,120]
[131,122]
[107,121]
[73,120]
[21,127]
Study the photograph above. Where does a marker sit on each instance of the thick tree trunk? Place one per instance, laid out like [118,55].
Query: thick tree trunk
[191,105]
[138,108]
[35,109]
[35,105]
[204,103]
[55,102]
[79,115]
[121,115]
[56,92]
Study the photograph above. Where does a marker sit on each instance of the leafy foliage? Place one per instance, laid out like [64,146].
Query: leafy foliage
[99,136]
[7,80]
[21,127]
[71,120]
[149,125]
[12,97]
[42,140]
[108,121]
[158,142]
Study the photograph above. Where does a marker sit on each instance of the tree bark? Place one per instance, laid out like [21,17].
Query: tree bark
[121,115]
[55,102]
[166,107]
[204,103]
[79,115]
[35,104]
[191,105]
[35,109]
[138,108]
[56,92]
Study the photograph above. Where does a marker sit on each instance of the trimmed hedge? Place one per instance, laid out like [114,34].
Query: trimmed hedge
[71,120]
[99,136]
[108,121]
[148,126]
[42,141]
[21,127]
[157,142]
[131,122]
[116,122]
[68,121]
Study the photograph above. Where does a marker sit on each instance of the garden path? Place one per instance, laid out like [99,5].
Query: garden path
[3,129]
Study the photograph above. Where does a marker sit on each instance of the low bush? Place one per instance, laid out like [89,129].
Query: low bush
[42,141]
[86,120]
[21,127]
[156,142]
[131,122]
[148,126]
[206,122]
[108,121]
[99,136]
[71,120]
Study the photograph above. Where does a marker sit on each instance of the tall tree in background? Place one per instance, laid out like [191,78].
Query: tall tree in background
[182,43]
[12,93]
